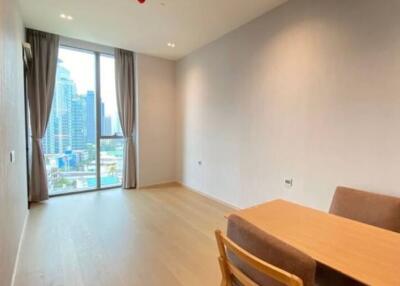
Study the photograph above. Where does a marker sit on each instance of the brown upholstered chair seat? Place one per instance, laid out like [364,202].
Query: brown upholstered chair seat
[270,249]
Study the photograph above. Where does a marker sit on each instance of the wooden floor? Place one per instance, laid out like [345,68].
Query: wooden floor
[153,237]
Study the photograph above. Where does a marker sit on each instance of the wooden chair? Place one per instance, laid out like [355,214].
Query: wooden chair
[231,273]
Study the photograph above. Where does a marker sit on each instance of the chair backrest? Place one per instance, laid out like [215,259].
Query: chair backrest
[254,258]
[370,208]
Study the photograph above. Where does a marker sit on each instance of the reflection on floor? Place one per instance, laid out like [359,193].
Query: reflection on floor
[153,237]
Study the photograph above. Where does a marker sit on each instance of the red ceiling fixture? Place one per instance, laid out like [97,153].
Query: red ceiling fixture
[141,1]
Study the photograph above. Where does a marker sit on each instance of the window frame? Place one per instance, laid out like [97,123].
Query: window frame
[99,135]
[97,51]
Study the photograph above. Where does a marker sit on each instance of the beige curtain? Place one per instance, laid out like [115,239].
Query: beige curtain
[125,85]
[40,88]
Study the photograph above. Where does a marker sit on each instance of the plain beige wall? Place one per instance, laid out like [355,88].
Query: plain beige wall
[13,190]
[309,91]
[156,120]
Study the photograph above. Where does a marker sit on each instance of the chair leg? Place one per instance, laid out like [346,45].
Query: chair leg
[226,281]
[226,276]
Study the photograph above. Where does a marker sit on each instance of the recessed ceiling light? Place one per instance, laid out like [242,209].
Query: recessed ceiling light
[171,45]
[67,17]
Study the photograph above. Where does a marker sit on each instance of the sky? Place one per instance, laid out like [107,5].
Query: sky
[81,64]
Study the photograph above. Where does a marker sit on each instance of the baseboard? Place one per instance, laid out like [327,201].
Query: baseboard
[160,185]
[209,197]
[21,238]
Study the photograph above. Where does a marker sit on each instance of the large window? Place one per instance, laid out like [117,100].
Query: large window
[83,145]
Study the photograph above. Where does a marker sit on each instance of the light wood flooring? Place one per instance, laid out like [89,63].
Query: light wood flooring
[154,237]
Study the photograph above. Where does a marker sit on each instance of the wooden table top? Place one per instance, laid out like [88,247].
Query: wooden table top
[368,254]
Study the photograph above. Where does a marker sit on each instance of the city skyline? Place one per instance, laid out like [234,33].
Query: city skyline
[68,127]
[70,141]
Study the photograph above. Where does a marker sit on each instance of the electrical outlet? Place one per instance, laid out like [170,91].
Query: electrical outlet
[12,156]
[289,183]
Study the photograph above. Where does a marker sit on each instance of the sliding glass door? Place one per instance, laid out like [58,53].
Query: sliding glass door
[82,145]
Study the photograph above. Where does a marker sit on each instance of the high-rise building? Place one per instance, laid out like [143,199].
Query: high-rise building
[78,123]
[66,89]
[105,121]
[58,137]
[91,117]
[102,117]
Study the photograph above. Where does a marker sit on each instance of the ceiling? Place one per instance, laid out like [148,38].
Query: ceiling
[144,28]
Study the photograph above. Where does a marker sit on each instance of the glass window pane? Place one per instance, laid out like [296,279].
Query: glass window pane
[111,155]
[109,120]
[70,141]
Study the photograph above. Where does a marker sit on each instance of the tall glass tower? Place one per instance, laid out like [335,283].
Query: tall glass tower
[58,138]
[91,117]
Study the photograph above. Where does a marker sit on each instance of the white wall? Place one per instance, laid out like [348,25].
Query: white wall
[13,189]
[309,91]
[157,120]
